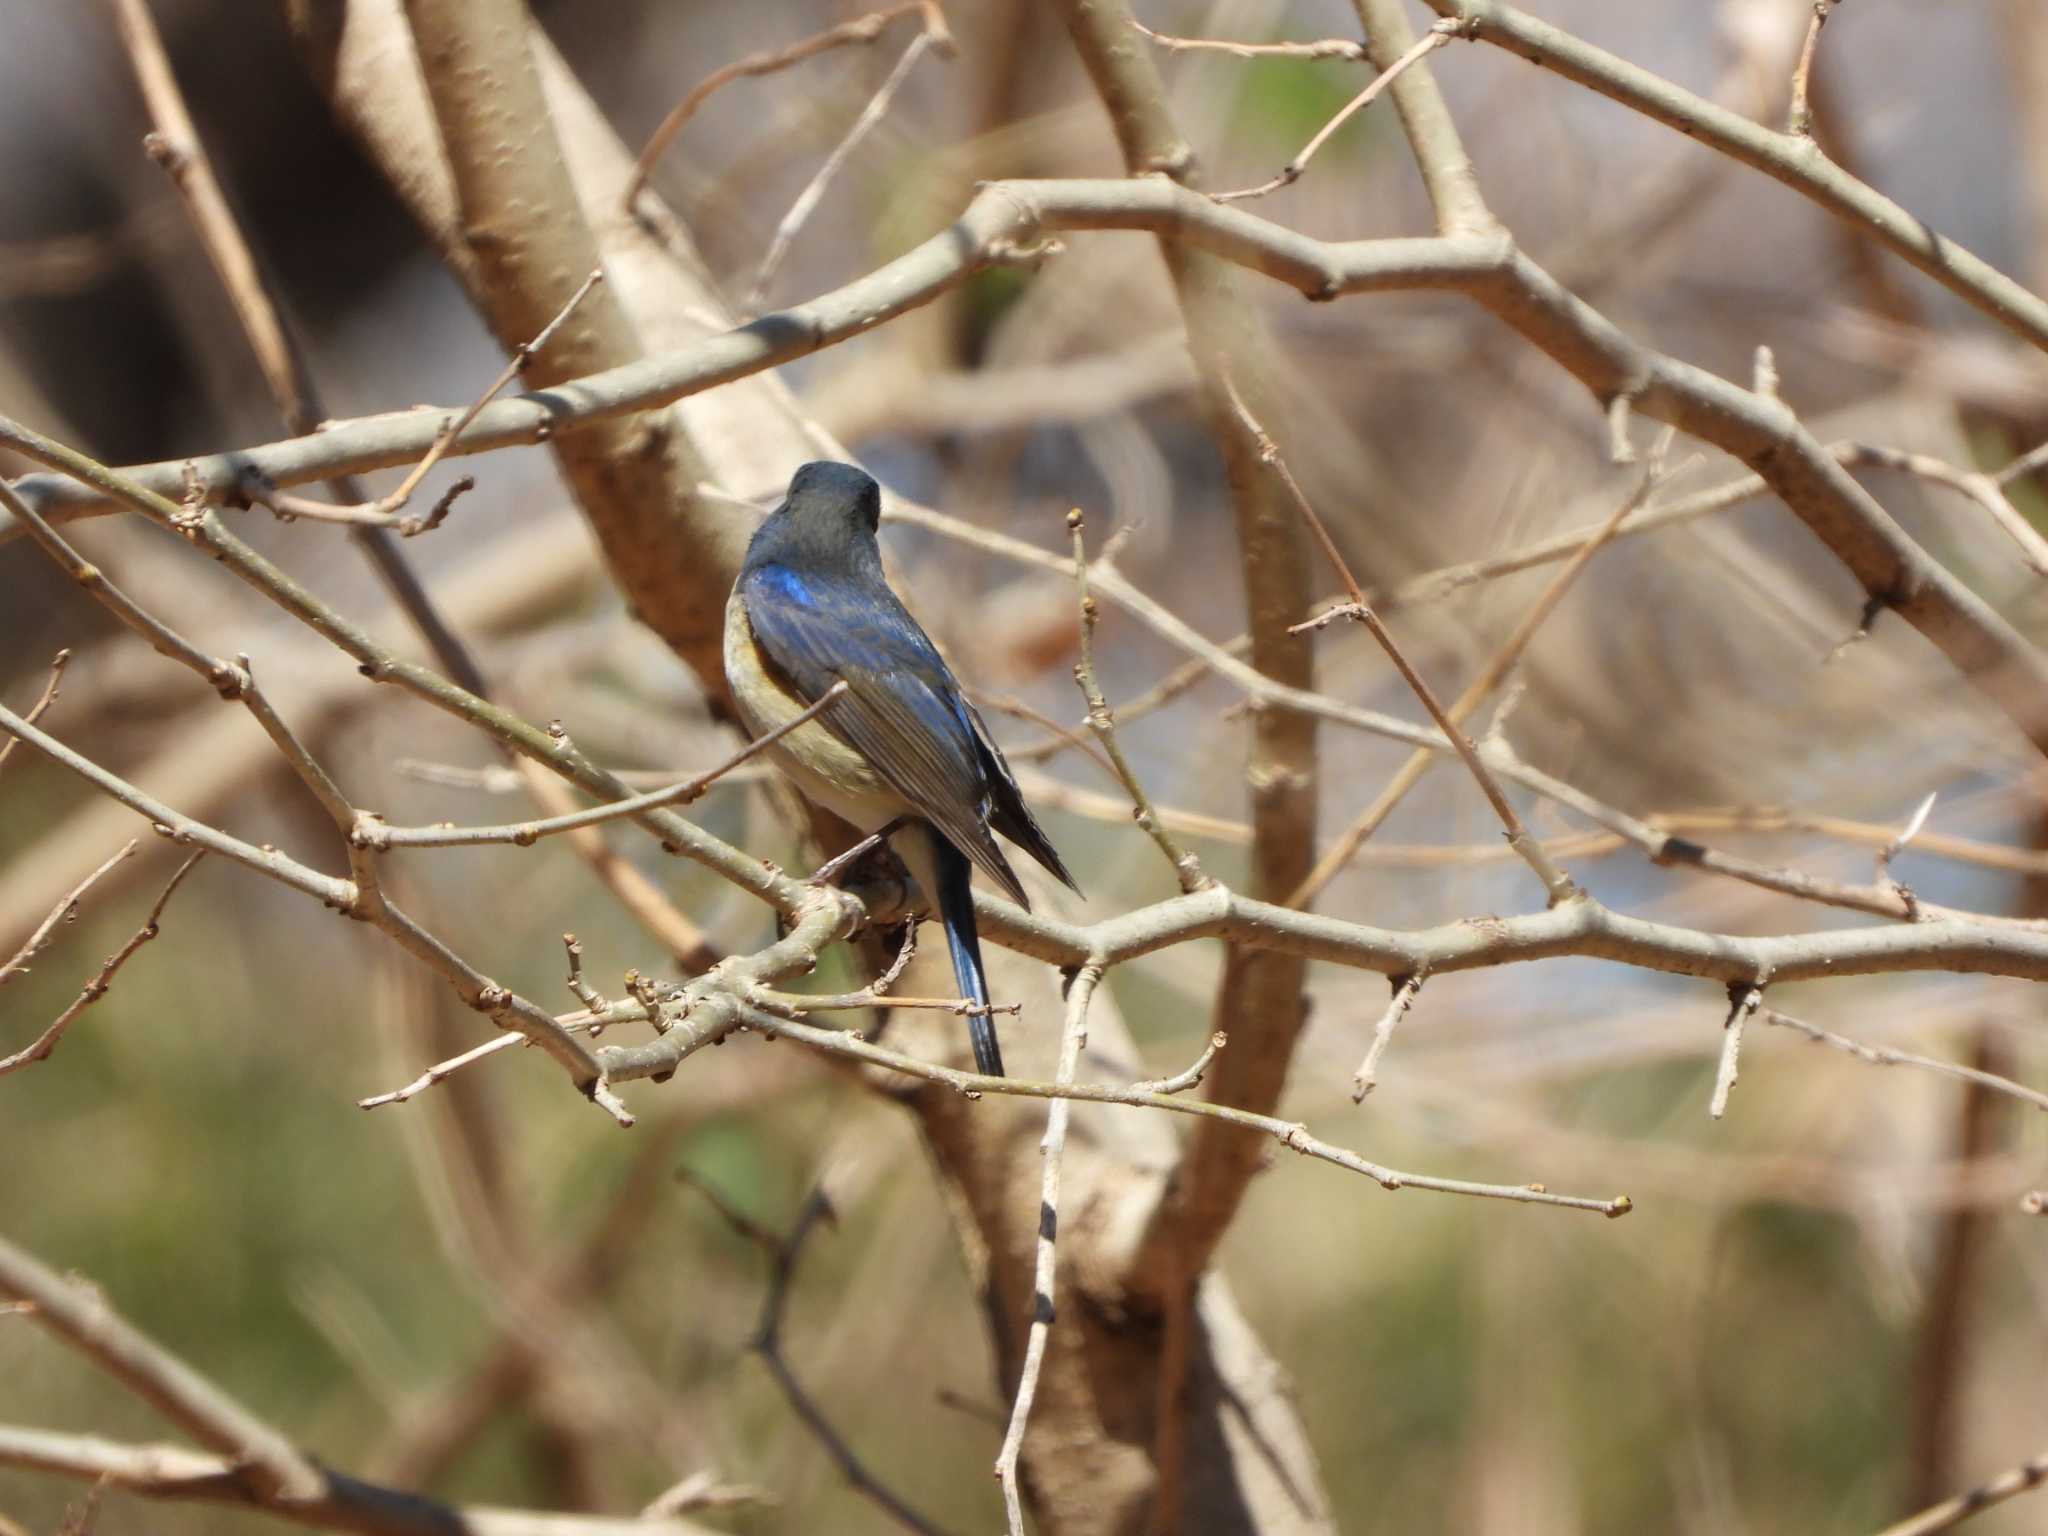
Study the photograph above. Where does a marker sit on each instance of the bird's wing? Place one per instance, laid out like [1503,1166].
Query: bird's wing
[902,710]
[1008,813]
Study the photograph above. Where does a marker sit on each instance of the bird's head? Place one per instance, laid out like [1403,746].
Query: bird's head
[827,522]
[828,496]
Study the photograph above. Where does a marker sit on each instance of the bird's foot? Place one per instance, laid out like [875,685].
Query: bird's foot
[832,868]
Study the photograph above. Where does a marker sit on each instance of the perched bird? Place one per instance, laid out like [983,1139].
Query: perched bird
[901,748]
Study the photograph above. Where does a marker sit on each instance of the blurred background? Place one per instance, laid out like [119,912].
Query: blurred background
[1827,1308]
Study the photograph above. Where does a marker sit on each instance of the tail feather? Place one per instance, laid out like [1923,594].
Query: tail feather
[955,898]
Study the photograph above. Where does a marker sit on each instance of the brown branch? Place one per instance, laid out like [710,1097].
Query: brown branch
[176,146]
[1290,1134]
[360,897]
[1186,868]
[1555,881]
[813,193]
[388,511]
[1742,1003]
[1799,117]
[1327,48]
[1052,1148]
[160,637]
[1887,1056]
[1476,692]
[862,29]
[1366,1078]
[1988,491]
[1189,1076]
[1950,1513]
[1894,571]
[523,834]
[38,709]
[343,1504]
[784,1252]
[271,1468]
[66,911]
[506,1009]
[96,989]
[1290,173]
[1789,158]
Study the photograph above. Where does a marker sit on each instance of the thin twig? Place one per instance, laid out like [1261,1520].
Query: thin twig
[66,911]
[179,1473]
[1439,33]
[1489,677]
[174,144]
[524,834]
[1886,1056]
[319,783]
[1988,491]
[1189,1076]
[784,1253]
[1799,118]
[1366,1078]
[642,898]
[588,1021]
[42,704]
[386,511]
[161,638]
[1555,881]
[808,199]
[862,29]
[96,989]
[1327,48]
[1950,1513]
[82,1316]
[506,1009]
[1742,1002]
[1290,1134]
[1186,868]
[1052,1147]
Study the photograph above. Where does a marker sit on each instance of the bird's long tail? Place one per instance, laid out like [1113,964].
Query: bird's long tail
[955,898]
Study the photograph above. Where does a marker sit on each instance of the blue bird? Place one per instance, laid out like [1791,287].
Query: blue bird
[901,748]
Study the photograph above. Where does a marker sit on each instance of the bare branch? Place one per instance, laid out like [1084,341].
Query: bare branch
[1052,1147]
[1950,1513]
[1189,1076]
[862,29]
[814,191]
[66,911]
[1789,158]
[1489,677]
[1886,1056]
[1186,868]
[783,1255]
[79,1314]
[1799,119]
[358,898]
[1290,1134]
[1986,490]
[1742,1002]
[386,511]
[1555,881]
[41,706]
[344,1503]
[1327,48]
[161,637]
[1366,1078]
[523,834]
[1290,173]
[96,989]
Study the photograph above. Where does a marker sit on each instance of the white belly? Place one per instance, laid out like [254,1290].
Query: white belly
[827,771]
